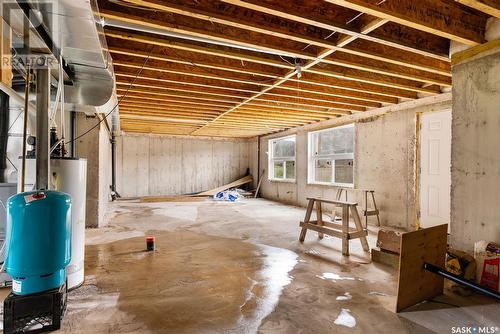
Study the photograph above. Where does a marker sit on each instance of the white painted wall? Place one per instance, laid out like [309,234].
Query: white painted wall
[162,165]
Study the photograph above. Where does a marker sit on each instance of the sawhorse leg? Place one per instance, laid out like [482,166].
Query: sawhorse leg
[345,230]
[359,227]
[307,218]
[319,215]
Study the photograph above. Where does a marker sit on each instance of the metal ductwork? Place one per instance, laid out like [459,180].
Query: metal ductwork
[71,29]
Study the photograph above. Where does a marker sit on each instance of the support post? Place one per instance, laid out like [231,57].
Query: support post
[42,128]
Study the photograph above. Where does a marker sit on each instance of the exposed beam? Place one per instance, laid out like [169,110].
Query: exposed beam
[490,7]
[382,67]
[164,104]
[213,50]
[324,15]
[439,17]
[271,114]
[199,60]
[276,96]
[170,22]
[353,80]
[183,101]
[179,110]
[316,76]
[227,14]
[356,53]
[227,89]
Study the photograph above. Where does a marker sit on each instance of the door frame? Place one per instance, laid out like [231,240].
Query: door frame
[418,144]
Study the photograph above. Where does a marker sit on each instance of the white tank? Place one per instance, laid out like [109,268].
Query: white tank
[69,175]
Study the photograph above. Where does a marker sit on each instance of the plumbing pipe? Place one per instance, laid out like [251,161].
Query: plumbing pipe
[25,126]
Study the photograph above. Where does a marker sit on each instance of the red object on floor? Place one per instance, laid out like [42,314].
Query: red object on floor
[490,276]
[150,243]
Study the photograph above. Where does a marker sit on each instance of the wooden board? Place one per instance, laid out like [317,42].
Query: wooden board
[384,257]
[174,198]
[197,197]
[212,192]
[416,284]
[389,240]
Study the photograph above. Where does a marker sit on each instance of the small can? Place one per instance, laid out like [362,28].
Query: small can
[150,243]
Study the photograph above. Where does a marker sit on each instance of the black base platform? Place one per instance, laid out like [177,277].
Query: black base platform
[34,313]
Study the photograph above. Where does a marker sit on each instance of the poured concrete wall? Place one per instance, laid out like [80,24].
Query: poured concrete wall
[475,157]
[95,147]
[160,165]
[384,161]
[104,173]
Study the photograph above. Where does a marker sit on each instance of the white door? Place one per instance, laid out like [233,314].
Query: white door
[435,172]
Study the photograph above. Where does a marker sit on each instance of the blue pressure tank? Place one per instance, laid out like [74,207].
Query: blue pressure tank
[38,240]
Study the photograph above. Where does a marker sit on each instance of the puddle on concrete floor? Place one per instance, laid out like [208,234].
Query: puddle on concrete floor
[192,283]
[334,277]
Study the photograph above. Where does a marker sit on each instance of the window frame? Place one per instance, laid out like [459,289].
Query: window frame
[311,142]
[271,160]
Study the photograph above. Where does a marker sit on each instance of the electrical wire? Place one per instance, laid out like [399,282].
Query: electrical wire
[12,164]
[119,101]
[15,120]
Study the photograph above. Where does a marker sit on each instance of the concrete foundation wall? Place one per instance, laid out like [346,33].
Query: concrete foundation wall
[385,151]
[475,154]
[104,173]
[95,147]
[160,165]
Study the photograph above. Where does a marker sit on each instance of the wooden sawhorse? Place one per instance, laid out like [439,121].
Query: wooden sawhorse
[367,211]
[342,231]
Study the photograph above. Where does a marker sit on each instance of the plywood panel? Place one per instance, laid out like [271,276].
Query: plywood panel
[416,284]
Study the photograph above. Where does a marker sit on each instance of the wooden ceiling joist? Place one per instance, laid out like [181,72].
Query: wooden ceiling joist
[314,75]
[175,23]
[437,17]
[227,89]
[172,101]
[241,68]
[356,53]
[185,111]
[490,7]
[324,15]
[270,99]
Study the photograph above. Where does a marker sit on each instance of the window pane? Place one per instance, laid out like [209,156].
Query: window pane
[290,169]
[284,148]
[323,170]
[336,141]
[278,170]
[344,171]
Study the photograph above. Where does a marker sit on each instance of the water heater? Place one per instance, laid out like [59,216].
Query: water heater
[69,175]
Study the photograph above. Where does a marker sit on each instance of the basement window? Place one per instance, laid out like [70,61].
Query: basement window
[282,159]
[331,156]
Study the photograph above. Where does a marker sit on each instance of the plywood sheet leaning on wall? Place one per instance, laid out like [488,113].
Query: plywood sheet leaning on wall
[198,196]
[415,283]
[237,183]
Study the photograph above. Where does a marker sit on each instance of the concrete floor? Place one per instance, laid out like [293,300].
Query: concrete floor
[238,268]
